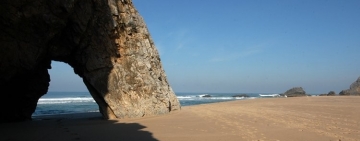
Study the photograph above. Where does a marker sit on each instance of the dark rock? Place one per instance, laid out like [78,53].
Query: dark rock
[206,95]
[354,89]
[344,93]
[331,93]
[240,95]
[295,92]
[106,43]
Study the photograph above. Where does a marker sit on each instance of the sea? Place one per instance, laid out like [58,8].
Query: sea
[54,103]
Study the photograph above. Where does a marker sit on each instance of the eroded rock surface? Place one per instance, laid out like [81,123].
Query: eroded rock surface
[105,41]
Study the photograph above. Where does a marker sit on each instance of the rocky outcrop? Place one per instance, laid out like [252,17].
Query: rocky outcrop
[344,93]
[295,92]
[105,41]
[206,95]
[331,93]
[354,89]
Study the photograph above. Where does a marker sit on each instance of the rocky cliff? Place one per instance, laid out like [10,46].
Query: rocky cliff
[105,41]
[295,92]
[354,89]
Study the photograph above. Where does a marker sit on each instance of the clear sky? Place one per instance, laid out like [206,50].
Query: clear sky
[249,45]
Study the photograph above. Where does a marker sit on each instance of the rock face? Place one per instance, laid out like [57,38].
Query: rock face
[295,92]
[354,89]
[105,41]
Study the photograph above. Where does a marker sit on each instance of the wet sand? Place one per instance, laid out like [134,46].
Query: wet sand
[331,118]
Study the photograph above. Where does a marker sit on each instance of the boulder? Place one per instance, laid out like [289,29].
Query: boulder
[295,92]
[331,93]
[107,44]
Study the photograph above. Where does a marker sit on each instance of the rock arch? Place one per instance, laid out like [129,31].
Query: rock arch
[107,44]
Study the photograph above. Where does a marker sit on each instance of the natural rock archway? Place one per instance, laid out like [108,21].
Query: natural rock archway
[105,41]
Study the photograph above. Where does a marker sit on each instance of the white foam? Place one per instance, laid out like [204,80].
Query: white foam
[269,95]
[212,98]
[65,100]
[239,97]
[202,95]
[183,97]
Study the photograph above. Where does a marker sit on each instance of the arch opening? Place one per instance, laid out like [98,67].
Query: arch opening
[67,93]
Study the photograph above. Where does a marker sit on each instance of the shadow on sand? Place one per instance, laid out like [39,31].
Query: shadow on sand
[74,129]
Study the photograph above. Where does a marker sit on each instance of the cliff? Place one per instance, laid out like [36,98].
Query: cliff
[107,44]
[353,90]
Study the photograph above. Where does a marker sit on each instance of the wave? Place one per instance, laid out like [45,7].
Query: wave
[202,95]
[211,98]
[193,96]
[65,100]
[269,95]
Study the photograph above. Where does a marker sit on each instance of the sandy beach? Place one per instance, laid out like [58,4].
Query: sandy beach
[272,119]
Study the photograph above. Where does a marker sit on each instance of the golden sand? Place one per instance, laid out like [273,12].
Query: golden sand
[272,119]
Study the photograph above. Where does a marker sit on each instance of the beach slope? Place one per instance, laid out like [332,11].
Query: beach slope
[268,119]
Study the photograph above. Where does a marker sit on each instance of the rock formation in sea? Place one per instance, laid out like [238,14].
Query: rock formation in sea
[295,92]
[206,95]
[107,44]
[354,89]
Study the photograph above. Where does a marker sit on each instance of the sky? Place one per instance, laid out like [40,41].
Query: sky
[246,46]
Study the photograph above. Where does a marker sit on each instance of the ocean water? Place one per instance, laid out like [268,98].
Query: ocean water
[65,103]
[81,102]
[188,99]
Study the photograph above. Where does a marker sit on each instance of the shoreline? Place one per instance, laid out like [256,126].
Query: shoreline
[297,118]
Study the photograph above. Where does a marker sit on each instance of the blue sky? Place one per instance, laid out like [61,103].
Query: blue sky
[244,46]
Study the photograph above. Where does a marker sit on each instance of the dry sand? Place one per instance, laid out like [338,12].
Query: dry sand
[276,119]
